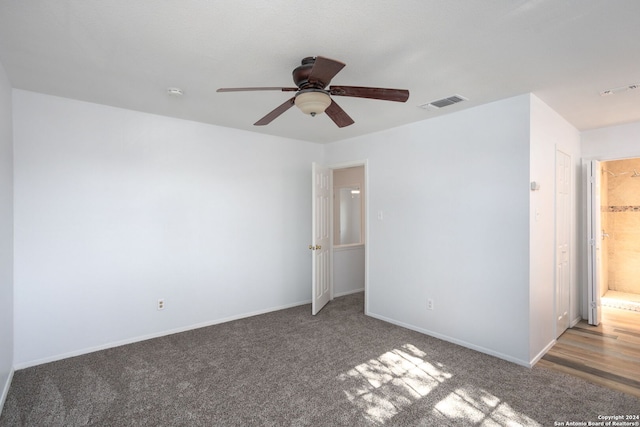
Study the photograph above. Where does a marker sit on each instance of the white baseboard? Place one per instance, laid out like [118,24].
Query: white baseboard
[5,390]
[542,353]
[354,291]
[455,341]
[575,321]
[79,352]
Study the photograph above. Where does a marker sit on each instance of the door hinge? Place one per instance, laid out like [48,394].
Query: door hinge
[594,305]
[592,242]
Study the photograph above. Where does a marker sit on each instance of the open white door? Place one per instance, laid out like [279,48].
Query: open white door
[594,230]
[321,238]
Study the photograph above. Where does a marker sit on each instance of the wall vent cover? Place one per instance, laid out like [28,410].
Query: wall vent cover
[444,102]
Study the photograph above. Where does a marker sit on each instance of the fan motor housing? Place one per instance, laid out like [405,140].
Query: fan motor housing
[301,74]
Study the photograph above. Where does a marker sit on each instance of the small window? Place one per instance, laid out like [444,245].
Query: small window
[348,215]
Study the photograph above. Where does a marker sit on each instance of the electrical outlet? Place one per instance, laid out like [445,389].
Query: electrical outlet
[161,304]
[429,304]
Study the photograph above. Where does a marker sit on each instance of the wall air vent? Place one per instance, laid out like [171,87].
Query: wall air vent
[444,102]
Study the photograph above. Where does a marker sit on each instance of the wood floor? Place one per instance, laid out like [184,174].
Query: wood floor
[607,354]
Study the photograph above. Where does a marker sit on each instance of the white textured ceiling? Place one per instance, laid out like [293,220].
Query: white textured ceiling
[126,53]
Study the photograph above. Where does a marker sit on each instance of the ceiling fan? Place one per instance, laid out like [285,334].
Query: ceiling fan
[313,96]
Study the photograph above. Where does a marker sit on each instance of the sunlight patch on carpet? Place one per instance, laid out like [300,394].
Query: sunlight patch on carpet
[476,406]
[383,386]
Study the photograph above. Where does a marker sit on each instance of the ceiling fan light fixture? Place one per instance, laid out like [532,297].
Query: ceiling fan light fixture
[312,102]
[314,97]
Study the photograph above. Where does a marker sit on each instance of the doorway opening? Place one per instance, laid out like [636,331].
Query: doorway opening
[339,233]
[348,230]
[620,201]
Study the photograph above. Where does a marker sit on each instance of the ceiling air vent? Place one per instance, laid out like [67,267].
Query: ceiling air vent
[444,102]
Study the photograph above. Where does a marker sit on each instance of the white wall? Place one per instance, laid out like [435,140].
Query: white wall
[611,143]
[348,270]
[549,131]
[115,209]
[454,194]
[6,237]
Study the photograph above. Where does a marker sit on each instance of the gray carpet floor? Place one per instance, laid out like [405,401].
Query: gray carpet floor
[288,368]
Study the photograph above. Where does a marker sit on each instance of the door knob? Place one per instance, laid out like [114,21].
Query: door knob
[318,247]
[311,247]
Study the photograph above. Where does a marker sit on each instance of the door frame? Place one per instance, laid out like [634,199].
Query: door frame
[570,249]
[585,232]
[593,229]
[344,165]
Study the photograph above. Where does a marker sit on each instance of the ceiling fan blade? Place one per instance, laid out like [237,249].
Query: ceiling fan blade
[398,95]
[324,69]
[276,112]
[338,115]
[247,89]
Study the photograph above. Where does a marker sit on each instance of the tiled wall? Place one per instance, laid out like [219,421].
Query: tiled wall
[623,225]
